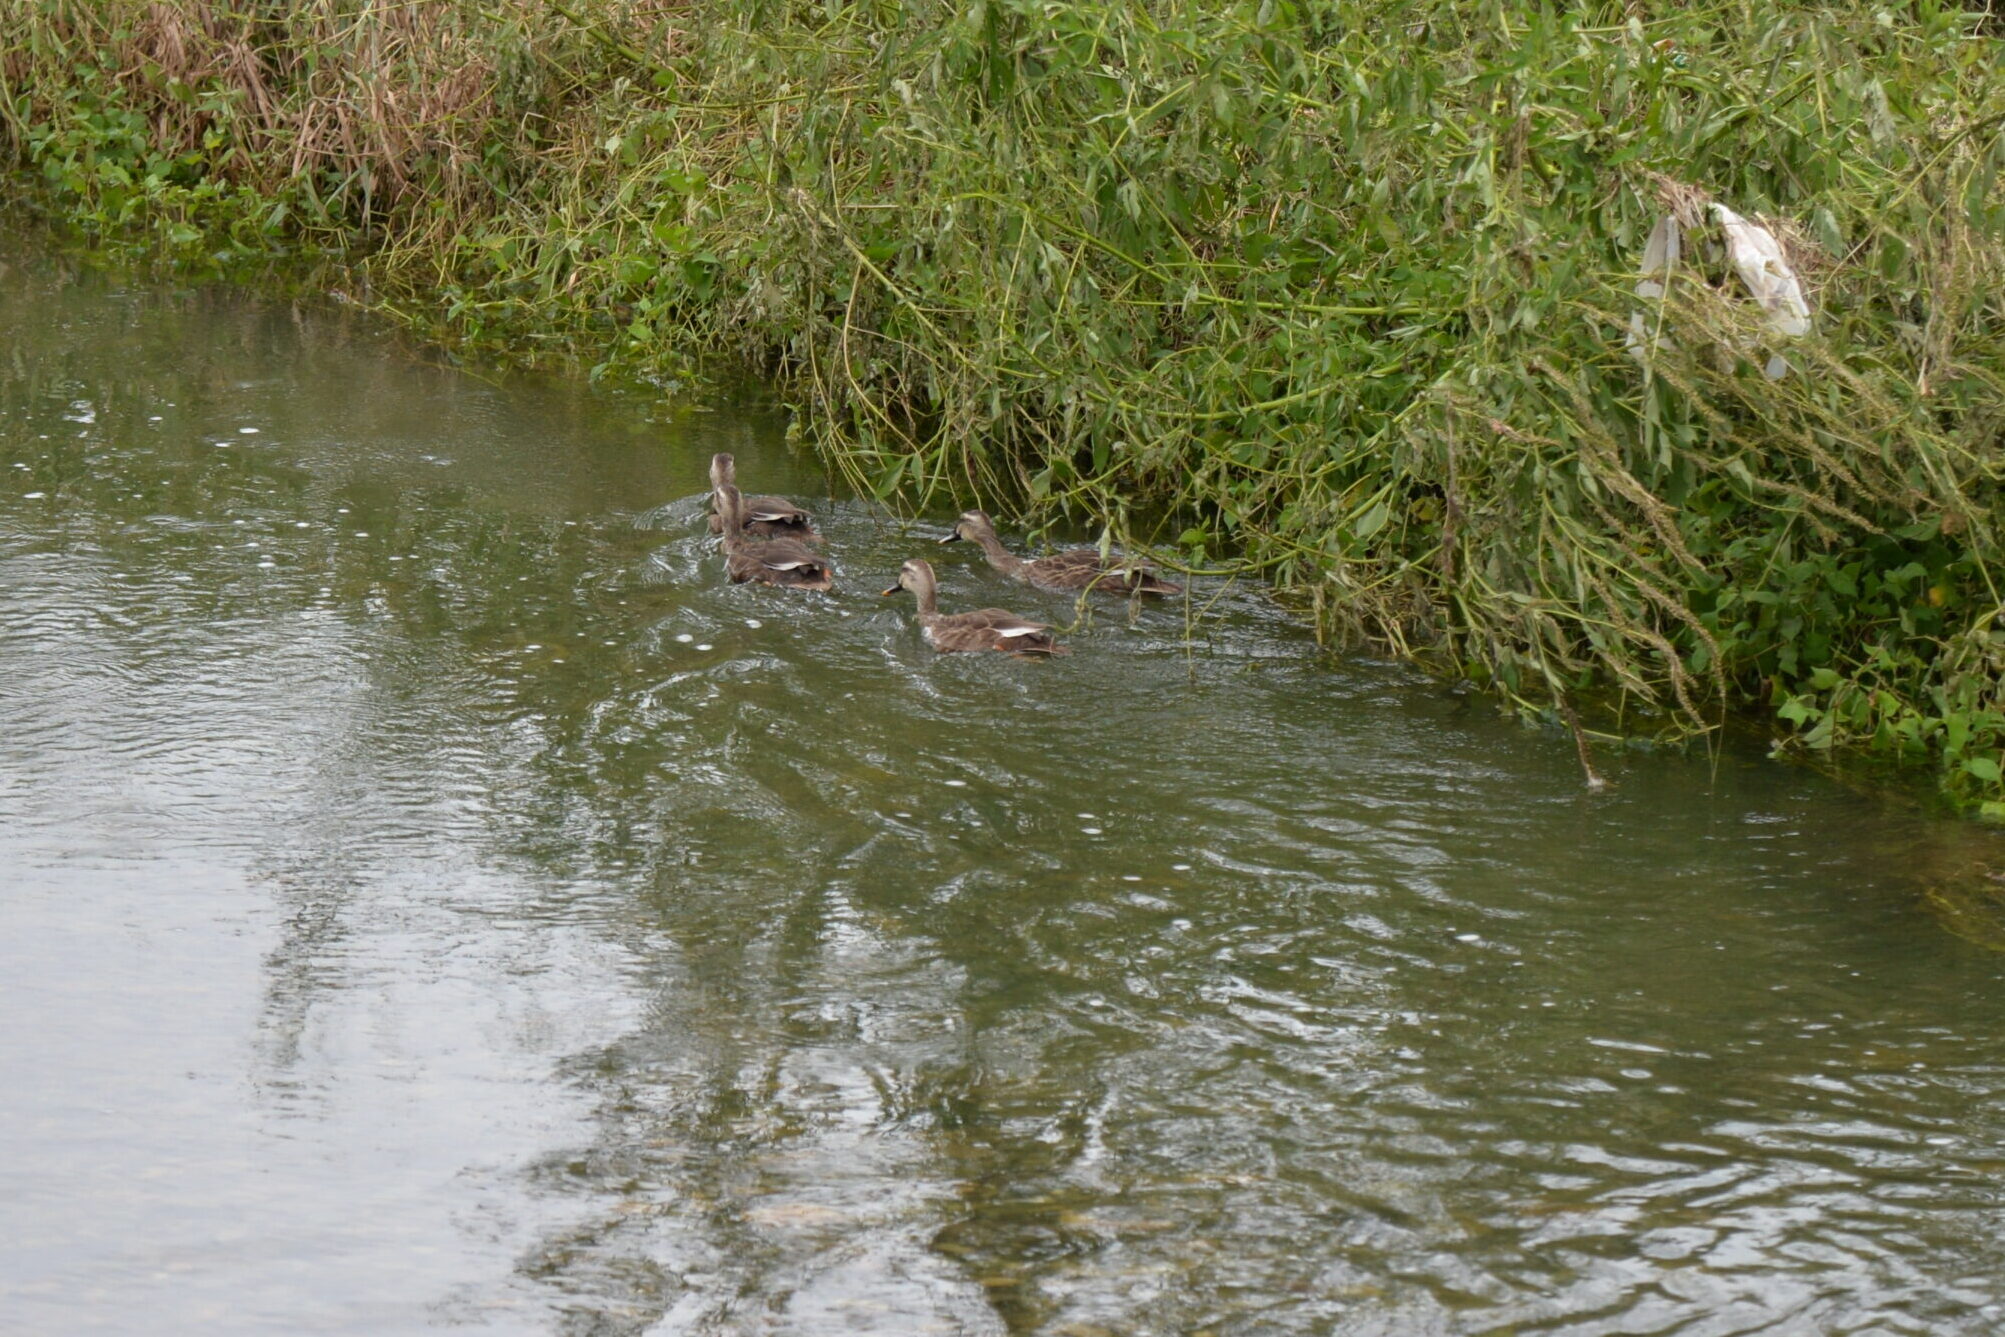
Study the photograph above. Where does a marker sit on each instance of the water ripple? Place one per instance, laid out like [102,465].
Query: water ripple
[416,850]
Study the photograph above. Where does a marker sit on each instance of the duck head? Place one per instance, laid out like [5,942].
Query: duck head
[973,526]
[915,575]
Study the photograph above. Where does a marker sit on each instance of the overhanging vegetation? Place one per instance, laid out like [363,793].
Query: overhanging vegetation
[1348,290]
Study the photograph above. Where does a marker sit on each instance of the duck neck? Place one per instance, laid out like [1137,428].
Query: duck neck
[730,510]
[928,596]
[1001,558]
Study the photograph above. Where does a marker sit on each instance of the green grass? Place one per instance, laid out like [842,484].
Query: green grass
[1333,293]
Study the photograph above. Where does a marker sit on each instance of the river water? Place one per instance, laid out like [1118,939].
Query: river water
[434,899]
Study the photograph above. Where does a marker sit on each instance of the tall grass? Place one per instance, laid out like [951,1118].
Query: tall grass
[1335,292]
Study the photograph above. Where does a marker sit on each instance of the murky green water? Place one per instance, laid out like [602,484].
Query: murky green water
[433,899]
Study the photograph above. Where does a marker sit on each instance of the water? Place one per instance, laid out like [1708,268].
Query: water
[434,899]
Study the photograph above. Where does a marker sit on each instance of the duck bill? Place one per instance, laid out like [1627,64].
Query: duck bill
[892,590]
[954,537]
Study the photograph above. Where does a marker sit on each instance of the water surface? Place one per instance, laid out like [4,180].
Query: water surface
[434,899]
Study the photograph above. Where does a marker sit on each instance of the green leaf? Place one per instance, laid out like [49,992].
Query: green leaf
[887,482]
[1821,734]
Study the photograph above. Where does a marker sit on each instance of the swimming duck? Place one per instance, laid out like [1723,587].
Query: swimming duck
[765,517]
[1073,569]
[783,561]
[983,629]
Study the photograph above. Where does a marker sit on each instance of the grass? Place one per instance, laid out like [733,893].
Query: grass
[1335,293]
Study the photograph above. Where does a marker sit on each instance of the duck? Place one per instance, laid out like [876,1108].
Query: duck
[1073,569]
[785,562]
[766,517]
[983,629]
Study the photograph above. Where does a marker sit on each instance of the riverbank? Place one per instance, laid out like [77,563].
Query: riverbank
[1352,291]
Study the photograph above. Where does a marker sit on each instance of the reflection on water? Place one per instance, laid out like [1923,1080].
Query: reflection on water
[434,898]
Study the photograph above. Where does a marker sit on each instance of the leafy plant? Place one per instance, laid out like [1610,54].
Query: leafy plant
[1336,292]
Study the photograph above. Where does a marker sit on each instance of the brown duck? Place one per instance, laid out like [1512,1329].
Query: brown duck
[1073,569]
[983,629]
[765,517]
[788,563]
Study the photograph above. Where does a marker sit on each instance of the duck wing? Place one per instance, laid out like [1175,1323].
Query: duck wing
[780,562]
[772,517]
[999,629]
[775,510]
[1138,579]
[1082,568]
